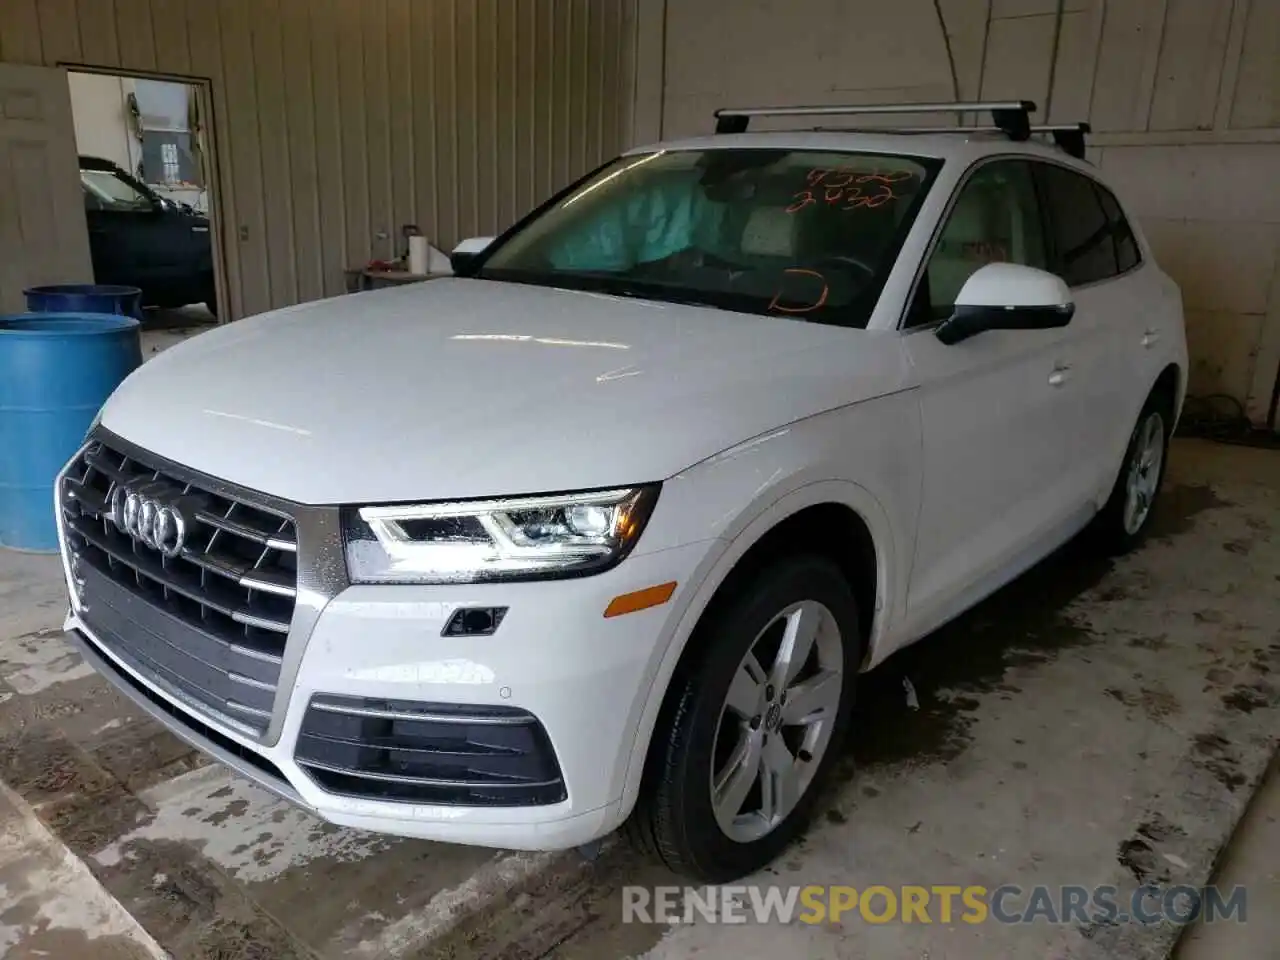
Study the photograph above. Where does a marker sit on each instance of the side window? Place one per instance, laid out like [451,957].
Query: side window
[1083,246]
[91,201]
[996,218]
[1127,255]
[114,193]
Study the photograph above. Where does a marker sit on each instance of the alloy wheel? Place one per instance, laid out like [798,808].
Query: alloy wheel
[1144,473]
[776,721]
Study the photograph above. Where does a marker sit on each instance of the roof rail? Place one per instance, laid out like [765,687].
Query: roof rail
[1012,117]
[1069,137]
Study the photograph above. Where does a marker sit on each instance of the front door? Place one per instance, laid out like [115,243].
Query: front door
[42,227]
[990,406]
[138,240]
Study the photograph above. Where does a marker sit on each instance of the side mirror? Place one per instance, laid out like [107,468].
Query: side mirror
[1008,296]
[466,253]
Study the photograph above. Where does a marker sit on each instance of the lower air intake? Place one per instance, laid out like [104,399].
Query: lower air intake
[411,752]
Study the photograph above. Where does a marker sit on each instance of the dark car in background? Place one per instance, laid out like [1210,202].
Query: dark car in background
[138,238]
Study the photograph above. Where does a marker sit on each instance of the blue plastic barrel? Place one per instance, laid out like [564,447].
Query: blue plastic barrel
[56,371]
[85,298]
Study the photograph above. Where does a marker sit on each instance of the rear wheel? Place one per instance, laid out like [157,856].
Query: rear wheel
[1124,520]
[752,727]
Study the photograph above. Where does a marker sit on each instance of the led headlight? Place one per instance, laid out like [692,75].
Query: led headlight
[521,538]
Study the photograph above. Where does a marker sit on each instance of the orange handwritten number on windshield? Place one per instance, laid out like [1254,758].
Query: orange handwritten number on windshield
[871,201]
[774,305]
[845,185]
[800,200]
[886,178]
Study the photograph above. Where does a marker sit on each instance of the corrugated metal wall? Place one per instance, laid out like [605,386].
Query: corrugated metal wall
[339,120]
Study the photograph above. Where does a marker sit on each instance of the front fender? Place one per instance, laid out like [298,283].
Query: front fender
[759,484]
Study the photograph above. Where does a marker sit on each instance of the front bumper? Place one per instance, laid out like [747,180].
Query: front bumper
[586,680]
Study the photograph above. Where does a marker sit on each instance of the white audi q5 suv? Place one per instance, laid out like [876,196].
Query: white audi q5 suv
[606,526]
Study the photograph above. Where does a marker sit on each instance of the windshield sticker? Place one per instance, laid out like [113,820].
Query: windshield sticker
[800,271]
[854,189]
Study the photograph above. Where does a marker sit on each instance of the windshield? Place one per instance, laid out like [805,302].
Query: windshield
[107,190]
[799,233]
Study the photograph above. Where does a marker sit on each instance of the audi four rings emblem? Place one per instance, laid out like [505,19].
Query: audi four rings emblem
[150,513]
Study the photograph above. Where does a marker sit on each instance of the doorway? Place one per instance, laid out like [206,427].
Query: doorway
[147,181]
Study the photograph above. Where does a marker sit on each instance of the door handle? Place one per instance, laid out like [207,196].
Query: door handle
[1150,336]
[1059,375]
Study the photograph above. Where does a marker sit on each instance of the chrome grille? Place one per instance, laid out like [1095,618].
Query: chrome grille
[210,624]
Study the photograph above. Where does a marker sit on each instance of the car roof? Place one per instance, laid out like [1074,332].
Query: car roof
[961,147]
[88,162]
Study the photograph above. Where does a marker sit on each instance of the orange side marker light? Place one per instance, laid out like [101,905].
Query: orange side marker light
[640,599]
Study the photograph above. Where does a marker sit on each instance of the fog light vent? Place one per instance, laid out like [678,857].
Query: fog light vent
[436,753]
[474,622]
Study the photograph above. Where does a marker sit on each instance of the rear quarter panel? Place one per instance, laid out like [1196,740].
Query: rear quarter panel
[1154,301]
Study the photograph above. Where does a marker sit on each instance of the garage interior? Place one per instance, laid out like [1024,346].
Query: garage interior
[1100,724]
[459,116]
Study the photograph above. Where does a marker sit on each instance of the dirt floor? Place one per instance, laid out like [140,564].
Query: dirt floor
[1094,723]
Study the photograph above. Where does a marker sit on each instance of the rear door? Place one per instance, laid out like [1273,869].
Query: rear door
[1093,249]
[991,407]
[42,228]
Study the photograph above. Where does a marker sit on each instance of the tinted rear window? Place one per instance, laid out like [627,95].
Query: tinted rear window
[1083,246]
[1127,255]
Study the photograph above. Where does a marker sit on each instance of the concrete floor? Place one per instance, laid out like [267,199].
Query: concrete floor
[163,328]
[52,906]
[1251,860]
[1094,723]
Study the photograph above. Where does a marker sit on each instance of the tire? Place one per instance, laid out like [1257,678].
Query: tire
[209,293]
[1123,522]
[699,734]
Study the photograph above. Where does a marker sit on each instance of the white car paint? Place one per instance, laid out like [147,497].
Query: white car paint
[968,463]
[489,368]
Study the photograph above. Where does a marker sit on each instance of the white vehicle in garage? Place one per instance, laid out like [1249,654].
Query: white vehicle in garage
[607,526]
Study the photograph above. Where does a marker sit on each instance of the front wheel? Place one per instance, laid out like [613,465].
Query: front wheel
[753,725]
[1124,520]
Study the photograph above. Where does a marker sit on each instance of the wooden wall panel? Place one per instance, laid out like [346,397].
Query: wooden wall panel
[1191,61]
[1118,94]
[169,26]
[59,35]
[1257,93]
[21,36]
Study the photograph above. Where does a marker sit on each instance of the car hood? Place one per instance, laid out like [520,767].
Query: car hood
[468,388]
